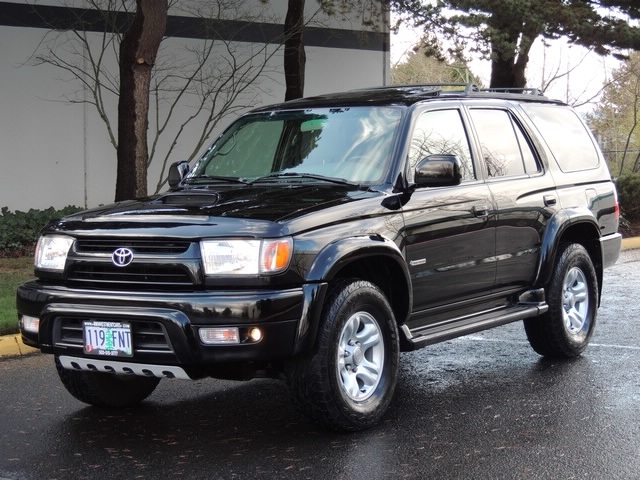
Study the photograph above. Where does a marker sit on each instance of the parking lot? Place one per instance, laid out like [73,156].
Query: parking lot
[482,406]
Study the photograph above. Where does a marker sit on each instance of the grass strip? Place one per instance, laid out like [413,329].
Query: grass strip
[13,272]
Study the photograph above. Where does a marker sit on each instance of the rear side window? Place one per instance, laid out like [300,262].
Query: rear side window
[566,135]
[505,150]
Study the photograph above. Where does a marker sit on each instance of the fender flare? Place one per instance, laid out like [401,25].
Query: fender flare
[336,255]
[558,224]
[329,261]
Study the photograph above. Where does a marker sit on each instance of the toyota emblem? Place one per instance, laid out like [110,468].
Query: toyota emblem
[122,257]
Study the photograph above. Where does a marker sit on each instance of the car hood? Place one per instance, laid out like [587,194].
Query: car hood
[253,210]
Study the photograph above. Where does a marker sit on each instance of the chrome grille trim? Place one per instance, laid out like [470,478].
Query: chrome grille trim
[148,247]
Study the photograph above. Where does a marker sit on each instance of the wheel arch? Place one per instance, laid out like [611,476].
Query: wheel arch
[373,258]
[570,226]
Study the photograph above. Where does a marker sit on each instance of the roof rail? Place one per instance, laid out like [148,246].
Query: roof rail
[421,90]
[466,88]
[521,91]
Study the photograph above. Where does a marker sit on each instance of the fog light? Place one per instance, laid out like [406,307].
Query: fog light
[29,324]
[219,336]
[255,334]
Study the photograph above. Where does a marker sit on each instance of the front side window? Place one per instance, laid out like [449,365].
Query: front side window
[505,149]
[348,143]
[440,132]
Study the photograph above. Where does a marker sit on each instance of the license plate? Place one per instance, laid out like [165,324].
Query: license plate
[111,339]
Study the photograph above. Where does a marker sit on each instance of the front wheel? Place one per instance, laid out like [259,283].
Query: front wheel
[106,389]
[347,383]
[572,294]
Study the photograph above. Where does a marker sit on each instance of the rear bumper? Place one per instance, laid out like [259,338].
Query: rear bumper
[165,325]
[610,246]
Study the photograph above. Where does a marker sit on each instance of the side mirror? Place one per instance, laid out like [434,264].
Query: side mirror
[438,171]
[177,171]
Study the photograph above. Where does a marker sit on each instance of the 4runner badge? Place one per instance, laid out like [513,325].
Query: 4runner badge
[122,257]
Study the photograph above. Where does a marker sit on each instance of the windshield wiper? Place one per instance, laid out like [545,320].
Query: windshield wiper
[216,178]
[311,176]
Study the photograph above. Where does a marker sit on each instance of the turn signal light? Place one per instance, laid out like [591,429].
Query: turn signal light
[29,324]
[230,335]
[219,336]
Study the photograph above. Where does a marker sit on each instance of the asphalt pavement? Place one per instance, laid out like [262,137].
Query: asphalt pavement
[484,406]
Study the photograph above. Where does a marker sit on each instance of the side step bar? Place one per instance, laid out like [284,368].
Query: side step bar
[440,332]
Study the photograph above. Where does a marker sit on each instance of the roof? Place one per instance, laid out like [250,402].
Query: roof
[407,95]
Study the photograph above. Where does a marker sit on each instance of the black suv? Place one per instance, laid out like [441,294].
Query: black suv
[317,239]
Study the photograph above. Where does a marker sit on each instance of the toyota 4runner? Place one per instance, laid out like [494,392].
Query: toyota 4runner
[317,239]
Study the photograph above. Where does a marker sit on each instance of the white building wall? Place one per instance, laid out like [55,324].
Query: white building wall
[55,153]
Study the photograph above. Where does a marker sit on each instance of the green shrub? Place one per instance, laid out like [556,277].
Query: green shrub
[629,196]
[19,230]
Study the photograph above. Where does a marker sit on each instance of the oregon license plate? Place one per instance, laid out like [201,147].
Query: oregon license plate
[111,339]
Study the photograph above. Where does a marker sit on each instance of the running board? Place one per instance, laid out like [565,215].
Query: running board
[443,331]
[122,368]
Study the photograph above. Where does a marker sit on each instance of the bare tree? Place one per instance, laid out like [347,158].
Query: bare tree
[193,87]
[294,53]
[138,51]
[616,118]
[193,90]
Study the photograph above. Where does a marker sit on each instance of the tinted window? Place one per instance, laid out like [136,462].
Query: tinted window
[440,132]
[505,149]
[566,135]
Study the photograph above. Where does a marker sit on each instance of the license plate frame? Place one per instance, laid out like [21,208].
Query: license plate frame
[107,339]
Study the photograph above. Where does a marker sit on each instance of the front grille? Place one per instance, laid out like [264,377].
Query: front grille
[148,336]
[142,276]
[147,247]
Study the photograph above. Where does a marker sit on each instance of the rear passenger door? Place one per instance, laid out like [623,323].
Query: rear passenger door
[523,192]
[449,231]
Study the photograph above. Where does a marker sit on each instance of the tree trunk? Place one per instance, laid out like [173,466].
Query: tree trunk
[509,74]
[294,54]
[138,51]
[502,75]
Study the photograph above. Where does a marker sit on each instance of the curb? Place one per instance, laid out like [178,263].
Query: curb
[12,346]
[630,243]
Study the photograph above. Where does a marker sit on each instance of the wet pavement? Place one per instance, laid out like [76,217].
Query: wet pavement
[482,406]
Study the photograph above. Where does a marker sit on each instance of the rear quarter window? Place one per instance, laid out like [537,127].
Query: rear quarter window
[566,135]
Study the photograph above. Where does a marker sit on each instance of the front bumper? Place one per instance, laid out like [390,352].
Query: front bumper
[165,325]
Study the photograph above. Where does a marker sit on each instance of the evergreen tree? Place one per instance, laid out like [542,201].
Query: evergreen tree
[505,30]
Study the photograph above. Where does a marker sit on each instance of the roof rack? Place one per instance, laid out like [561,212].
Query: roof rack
[433,89]
[521,91]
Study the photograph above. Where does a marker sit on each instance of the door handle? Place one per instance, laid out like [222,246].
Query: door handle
[481,211]
[550,200]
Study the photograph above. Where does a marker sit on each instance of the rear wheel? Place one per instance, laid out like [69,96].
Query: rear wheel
[572,295]
[347,383]
[106,389]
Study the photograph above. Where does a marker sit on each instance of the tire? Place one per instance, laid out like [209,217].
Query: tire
[348,382]
[565,329]
[106,389]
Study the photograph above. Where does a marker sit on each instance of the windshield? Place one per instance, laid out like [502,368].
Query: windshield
[351,143]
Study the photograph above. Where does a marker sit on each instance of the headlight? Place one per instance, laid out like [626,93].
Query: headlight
[246,257]
[51,252]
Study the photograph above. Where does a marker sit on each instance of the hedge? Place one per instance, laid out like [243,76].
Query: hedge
[19,230]
[629,196]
